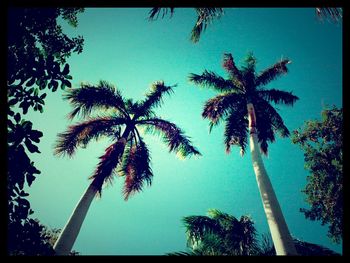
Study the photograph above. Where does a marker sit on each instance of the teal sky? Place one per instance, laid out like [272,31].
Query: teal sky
[124,48]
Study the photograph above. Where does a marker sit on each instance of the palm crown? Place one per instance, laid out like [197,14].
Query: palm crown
[112,114]
[245,86]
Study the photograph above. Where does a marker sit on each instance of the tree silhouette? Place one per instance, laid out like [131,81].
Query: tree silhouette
[119,119]
[245,107]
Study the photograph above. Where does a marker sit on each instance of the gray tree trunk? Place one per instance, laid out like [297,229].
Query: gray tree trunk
[65,241]
[281,237]
[69,234]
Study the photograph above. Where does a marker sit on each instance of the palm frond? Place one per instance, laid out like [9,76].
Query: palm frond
[276,120]
[268,122]
[334,14]
[82,133]
[308,249]
[136,169]
[205,16]
[264,126]
[198,226]
[210,79]
[218,107]
[153,98]
[212,245]
[266,247]
[155,11]
[107,165]
[181,253]
[272,72]
[230,66]
[249,64]
[278,96]
[88,97]
[236,130]
[172,135]
[249,241]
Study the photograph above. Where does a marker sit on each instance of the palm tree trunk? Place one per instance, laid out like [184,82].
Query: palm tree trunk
[281,237]
[70,232]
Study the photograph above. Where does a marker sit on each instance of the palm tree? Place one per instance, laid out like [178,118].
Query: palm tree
[119,119]
[245,106]
[221,234]
[205,16]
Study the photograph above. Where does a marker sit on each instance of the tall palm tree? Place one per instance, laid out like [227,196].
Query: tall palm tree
[205,16]
[245,107]
[119,119]
[221,234]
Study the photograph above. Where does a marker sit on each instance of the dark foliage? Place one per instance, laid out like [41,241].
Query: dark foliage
[322,143]
[36,60]
[221,234]
[205,16]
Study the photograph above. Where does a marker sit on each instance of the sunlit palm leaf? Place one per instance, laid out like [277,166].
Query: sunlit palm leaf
[153,98]
[278,96]
[79,135]
[212,80]
[205,16]
[137,170]
[272,72]
[88,97]
[248,67]
[172,135]
[230,66]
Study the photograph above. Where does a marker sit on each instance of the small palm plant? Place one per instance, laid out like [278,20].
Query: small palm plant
[245,107]
[119,119]
[219,233]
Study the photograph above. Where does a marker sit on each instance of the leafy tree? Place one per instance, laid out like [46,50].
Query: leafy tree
[37,48]
[322,143]
[245,106]
[108,114]
[221,234]
[205,16]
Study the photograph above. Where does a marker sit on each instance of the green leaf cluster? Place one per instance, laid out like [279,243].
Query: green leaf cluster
[322,143]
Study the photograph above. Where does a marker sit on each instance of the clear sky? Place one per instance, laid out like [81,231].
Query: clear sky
[124,48]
